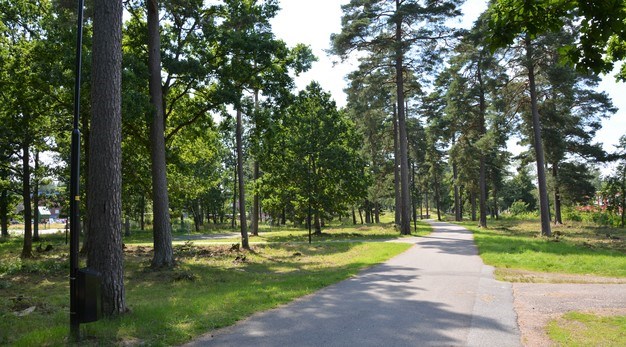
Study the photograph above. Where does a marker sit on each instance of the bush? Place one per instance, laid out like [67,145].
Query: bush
[572,214]
[518,207]
[591,214]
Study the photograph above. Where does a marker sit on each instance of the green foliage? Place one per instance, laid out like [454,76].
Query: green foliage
[592,215]
[519,188]
[602,36]
[518,207]
[510,18]
[312,157]
[601,28]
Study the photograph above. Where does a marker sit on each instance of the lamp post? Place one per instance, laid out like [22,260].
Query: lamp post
[75,185]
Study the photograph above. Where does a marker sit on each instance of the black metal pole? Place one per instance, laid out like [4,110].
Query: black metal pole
[75,185]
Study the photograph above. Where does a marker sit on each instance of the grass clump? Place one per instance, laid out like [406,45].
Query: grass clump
[585,329]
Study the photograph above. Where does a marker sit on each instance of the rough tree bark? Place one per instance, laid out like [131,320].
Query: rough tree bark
[405,223]
[482,182]
[242,193]
[233,221]
[396,168]
[538,143]
[105,170]
[162,229]
[255,198]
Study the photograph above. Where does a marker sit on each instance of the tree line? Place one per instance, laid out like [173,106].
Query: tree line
[190,107]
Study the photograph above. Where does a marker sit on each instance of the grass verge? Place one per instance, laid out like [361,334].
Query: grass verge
[211,287]
[576,248]
[584,329]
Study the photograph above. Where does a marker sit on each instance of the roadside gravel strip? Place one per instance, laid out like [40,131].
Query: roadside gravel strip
[438,293]
[538,303]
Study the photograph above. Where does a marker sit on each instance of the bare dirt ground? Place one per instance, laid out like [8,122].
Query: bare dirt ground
[538,303]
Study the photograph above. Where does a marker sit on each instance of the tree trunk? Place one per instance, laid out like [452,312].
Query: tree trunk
[162,229]
[200,213]
[27,249]
[538,143]
[557,195]
[482,181]
[127,227]
[4,213]
[143,212]
[413,198]
[376,212]
[457,197]
[353,216]
[254,227]
[396,168]
[317,224]
[233,222]
[361,216]
[427,207]
[421,206]
[495,203]
[105,170]
[461,202]
[623,196]
[242,196]
[405,226]
[473,203]
[437,197]
[36,199]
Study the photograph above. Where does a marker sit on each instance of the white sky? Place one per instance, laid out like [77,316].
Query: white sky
[312,23]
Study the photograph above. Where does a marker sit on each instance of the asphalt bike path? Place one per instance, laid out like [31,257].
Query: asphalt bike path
[438,293]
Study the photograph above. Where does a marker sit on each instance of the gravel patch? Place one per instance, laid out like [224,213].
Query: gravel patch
[538,303]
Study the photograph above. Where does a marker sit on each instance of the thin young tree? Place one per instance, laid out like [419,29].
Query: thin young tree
[162,229]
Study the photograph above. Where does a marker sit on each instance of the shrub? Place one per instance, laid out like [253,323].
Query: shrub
[518,207]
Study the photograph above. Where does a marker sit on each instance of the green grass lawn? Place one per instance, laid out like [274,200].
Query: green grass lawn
[576,248]
[583,329]
[212,286]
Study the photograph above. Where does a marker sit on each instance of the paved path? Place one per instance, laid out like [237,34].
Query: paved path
[438,293]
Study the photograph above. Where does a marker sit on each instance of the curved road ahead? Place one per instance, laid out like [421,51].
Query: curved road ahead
[438,293]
